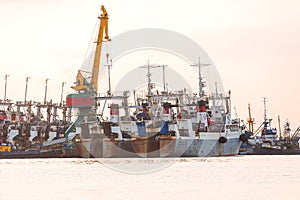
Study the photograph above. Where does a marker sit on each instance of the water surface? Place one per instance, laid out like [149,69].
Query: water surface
[241,177]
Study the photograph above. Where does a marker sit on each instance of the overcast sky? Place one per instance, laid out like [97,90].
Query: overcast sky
[254,44]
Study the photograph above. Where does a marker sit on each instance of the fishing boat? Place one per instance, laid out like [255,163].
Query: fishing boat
[265,133]
[169,127]
[266,141]
[286,145]
[160,124]
[207,130]
[166,127]
[29,135]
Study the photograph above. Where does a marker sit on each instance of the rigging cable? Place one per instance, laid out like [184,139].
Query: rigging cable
[91,41]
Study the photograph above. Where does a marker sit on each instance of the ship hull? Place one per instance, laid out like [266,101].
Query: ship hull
[207,145]
[55,153]
[113,148]
[274,151]
[212,147]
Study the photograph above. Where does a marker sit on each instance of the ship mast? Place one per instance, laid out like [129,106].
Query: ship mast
[280,137]
[5,78]
[287,133]
[199,65]
[150,85]
[164,76]
[26,87]
[45,97]
[62,92]
[149,78]
[265,108]
[109,65]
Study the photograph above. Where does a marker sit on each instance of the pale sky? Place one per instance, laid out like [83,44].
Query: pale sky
[254,44]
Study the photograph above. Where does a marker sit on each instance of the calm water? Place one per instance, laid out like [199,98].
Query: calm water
[242,177]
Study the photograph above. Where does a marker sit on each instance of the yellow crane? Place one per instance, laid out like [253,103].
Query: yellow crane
[250,119]
[85,98]
[82,85]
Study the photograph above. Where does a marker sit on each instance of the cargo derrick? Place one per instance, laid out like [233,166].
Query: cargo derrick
[87,90]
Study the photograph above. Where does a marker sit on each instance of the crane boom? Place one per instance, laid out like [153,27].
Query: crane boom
[103,27]
[85,98]
[250,119]
[81,83]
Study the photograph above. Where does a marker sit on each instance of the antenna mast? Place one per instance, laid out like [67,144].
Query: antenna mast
[164,76]
[265,108]
[45,98]
[199,65]
[109,65]
[150,86]
[5,78]
[280,136]
[27,78]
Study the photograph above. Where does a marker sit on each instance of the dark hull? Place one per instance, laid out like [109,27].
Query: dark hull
[245,149]
[32,154]
[273,151]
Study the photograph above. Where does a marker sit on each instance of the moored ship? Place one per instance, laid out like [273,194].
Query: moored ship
[162,124]
[266,141]
[29,134]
